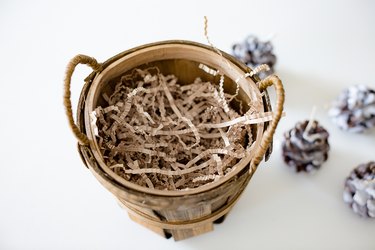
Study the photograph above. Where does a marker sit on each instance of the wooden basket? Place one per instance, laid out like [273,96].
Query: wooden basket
[187,213]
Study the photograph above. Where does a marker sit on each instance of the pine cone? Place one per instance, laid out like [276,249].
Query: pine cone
[354,109]
[305,147]
[359,191]
[254,53]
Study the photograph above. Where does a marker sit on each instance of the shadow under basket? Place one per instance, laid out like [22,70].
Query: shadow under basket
[170,213]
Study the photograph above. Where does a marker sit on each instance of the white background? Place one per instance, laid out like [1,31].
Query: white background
[49,200]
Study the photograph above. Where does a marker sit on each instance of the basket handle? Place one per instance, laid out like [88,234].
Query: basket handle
[78,59]
[272,80]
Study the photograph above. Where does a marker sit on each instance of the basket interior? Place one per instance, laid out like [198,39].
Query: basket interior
[182,61]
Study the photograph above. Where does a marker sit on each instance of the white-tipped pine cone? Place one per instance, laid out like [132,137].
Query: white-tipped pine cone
[305,147]
[254,52]
[354,109]
[359,191]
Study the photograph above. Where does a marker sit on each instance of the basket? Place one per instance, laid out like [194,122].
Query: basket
[186,213]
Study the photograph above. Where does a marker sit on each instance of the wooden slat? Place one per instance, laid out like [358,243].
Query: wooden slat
[189,213]
[187,233]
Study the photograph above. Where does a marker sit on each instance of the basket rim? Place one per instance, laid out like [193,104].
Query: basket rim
[131,53]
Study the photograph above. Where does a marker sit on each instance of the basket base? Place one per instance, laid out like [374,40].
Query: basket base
[177,232]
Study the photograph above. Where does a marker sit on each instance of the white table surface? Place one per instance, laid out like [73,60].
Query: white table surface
[49,200]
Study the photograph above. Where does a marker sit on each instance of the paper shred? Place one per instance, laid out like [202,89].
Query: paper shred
[93,123]
[205,178]
[208,69]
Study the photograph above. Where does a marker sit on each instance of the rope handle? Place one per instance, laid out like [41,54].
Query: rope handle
[78,59]
[272,80]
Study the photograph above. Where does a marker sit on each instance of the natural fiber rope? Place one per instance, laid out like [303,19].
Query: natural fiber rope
[268,134]
[78,59]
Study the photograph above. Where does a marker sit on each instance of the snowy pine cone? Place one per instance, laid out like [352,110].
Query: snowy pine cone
[354,109]
[305,147]
[359,190]
[254,53]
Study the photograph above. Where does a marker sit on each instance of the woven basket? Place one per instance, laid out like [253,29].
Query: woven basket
[186,213]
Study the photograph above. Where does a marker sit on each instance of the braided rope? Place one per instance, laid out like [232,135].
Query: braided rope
[78,59]
[268,134]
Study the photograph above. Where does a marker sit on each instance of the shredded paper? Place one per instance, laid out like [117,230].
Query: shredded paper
[162,135]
